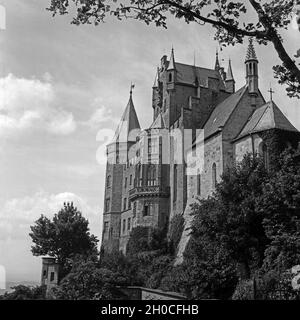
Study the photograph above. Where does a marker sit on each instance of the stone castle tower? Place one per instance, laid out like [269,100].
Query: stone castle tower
[148,177]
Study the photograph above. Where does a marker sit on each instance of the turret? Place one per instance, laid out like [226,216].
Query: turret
[252,69]
[171,72]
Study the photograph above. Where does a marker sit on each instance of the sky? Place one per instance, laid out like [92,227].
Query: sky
[63,89]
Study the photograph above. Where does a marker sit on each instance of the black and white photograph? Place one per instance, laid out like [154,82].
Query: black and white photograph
[149,151]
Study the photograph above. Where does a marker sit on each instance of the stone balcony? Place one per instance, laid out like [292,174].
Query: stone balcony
[149,191]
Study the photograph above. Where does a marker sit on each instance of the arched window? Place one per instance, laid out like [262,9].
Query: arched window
[198,184]
[108,181]
[264,153]
[214,175]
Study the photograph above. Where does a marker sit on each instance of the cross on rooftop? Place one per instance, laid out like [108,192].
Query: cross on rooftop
[271,91]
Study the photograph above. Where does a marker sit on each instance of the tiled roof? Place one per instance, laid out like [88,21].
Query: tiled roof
[188,74]
[267,117]
[222,112]
[129,122]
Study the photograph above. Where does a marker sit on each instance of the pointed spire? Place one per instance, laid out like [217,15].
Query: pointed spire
[251,54]
[217,64]
[128,123]
[229,76]
[172,61]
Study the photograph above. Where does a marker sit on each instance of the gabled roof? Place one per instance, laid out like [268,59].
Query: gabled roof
[222,112]
[158,123]
[129,122]
[188,73]
[267,117]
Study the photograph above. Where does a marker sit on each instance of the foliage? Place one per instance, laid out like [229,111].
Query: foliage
[230,217]
[22,292]
[232,21]
[280,202]
[87,281]
[268,286]
[63,237]
[146,239]
[175,231]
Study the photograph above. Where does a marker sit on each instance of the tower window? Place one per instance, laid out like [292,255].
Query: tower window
[264,153]
[130,180]
[106,226]
[214,175]
[129,224]
[125,185]
[175,183]
[125,204]
[170,77]
[146,210]
[107,204]
[108,181]
[52,276]
[124,225]
[198,184]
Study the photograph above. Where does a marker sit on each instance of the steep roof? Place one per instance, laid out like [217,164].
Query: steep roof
[129,122]
[158,123]
[188,74]
[267,117]
[222,112]
[229,75]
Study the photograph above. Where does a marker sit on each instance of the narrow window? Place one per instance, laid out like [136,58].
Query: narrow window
[125,185]
[125,204]
[130,180]
[129,224]
[146,210]
[198,184]
[52,276]
[170,77]
[124,225]
[175,183]
[106,226]
[214,175]
[108,182]
[107,204]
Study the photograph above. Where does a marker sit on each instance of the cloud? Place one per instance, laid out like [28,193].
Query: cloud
[102,115]
[27,104]
[19,213]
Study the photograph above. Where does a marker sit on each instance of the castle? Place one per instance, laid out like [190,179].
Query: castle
[197,115]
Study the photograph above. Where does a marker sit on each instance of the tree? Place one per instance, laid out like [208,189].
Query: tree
[230,217]
[86,281]
[280,202]
[232,20]
[22,292]
[63,237]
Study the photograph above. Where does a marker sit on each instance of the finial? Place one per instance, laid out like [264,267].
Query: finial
[217,64]
[131,88]
[251,54]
